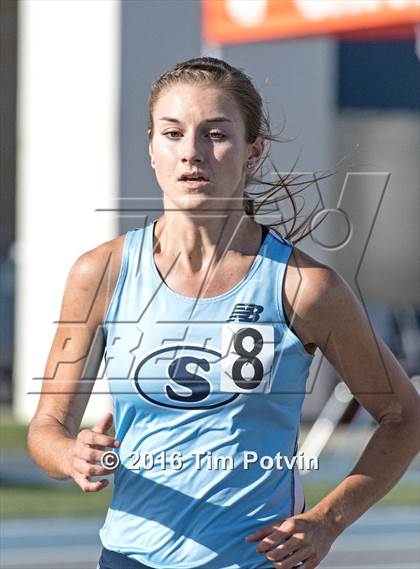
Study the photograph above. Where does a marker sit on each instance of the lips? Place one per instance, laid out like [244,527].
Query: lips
[193,177]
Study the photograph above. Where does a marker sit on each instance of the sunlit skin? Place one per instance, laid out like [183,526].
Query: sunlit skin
[200,128]
[187,136]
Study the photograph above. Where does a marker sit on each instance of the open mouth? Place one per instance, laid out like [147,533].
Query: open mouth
[193,178]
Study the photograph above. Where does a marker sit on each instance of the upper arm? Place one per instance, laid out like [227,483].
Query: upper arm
[78,345]
[328,314]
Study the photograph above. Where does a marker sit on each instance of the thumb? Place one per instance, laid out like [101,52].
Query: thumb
[104,424]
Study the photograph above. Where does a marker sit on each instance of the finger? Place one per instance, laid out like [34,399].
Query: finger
[92,454]
[104,424]
[307,564]
[288,561]
[87,469]
[260,533]
[97,439]
[292,544]
[275,538]
[88,486]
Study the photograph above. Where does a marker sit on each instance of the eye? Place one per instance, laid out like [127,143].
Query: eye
[172,134]
[216,135]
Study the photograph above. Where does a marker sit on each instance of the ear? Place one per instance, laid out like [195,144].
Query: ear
[152,161]
[256,149]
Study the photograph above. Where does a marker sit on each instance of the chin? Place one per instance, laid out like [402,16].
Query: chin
[192,201]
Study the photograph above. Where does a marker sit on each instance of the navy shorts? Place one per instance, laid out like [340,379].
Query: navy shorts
[113,560]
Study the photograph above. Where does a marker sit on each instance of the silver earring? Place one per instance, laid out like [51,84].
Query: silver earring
[250,165]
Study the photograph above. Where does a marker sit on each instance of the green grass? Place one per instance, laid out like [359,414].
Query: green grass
[400,495]
[54,501]
[12,437]
[66,500]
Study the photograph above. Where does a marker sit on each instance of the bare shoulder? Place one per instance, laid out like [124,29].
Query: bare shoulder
[106,256]
[311,289]
[315,278]
[92,280]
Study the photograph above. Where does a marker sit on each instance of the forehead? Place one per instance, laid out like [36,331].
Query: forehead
[198,102]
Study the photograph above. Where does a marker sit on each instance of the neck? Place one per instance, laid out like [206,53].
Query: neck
[202,238]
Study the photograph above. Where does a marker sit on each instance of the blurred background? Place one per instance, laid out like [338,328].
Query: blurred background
[341,81]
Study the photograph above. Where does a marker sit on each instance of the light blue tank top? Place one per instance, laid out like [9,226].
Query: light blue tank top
[207,394]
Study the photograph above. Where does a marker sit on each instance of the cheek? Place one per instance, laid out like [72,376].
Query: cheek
[163,153]
[226,152]
[230,157]
[164,159]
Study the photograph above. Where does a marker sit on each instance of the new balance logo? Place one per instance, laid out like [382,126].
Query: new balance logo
[245,313]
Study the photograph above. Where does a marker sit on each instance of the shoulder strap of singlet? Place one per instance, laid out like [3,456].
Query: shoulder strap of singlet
[131,250]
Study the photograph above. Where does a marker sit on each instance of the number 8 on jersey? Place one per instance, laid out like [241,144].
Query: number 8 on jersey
[248,352]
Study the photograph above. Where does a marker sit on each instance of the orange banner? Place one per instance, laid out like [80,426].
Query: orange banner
[233,21]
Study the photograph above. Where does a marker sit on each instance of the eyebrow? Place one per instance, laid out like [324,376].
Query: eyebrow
[213,119]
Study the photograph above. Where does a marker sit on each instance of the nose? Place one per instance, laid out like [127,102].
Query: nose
[190,148]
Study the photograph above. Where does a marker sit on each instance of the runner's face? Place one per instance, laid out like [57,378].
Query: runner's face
[198,131]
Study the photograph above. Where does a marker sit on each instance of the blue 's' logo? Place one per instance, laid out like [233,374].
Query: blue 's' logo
[182,383]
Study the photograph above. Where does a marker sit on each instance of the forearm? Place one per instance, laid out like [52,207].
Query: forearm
[49,444]
[384,460]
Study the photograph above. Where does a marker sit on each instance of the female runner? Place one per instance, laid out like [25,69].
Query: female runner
[208,322]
